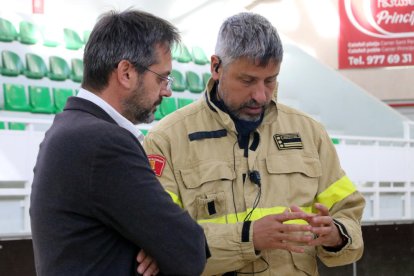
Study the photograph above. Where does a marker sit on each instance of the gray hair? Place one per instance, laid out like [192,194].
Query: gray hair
[248,35]
[129,35]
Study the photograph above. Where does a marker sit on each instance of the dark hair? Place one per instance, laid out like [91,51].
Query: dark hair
[129,35]
[248,35]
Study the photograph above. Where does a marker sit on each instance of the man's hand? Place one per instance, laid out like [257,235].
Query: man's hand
[323,227]
[147,266]
[269,232]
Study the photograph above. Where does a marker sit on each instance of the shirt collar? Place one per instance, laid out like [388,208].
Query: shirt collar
[115,115]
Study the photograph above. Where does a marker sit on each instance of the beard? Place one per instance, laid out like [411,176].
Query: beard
[237,111]
[137,107]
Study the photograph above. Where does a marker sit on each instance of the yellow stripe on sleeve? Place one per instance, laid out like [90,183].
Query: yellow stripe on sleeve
[175,198]
[336,192]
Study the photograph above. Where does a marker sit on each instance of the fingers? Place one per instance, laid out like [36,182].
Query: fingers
[152,269]
[285,216]
[320,221]
[288,228]
[323,210]
[141,256]
[293,243]
[295,208]
[147,266]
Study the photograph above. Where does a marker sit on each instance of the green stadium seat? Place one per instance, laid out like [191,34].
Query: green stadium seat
[28,33]
[206,77]
[183,102]
[199,57]
[8,32]
[72,39]
[194,82]
[17,126]
[77,70]
[86,35]
[40,100]
[158,114]
[144,131]
[175,51]
[58,68]
[35,67]
[335,141]
[179,84]
[15,98]
[60,96]
[52,37]
[12,64]
[2,125]
[182,53]
[168,105]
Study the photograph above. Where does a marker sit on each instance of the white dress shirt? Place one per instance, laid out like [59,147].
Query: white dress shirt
[118,118]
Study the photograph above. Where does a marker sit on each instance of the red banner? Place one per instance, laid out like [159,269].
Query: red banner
[37,6]
[376,33]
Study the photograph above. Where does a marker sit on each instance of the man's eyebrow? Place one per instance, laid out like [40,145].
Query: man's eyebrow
[243,75]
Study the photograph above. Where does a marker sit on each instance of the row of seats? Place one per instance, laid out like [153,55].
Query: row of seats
[30,33]
[181,54]
[35,67]
[190,81]
[12,126]
[39,99]
[169,105]
[59,70]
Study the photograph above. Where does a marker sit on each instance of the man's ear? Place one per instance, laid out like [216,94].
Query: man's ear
[125,73]
[215,67]
[276,90]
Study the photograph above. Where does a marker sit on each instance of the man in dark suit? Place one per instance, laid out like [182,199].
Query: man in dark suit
[95,201]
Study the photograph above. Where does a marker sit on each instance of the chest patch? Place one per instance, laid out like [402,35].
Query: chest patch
[288,141]
[157,163]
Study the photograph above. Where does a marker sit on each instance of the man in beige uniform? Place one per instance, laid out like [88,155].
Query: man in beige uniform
[262,179]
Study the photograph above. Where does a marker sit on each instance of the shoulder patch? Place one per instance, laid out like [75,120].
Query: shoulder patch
[288,141]
[157,163]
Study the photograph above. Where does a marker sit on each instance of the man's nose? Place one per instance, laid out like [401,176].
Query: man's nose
[166,92]
[259,93]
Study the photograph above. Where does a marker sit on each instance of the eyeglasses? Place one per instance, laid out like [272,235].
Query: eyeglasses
[167,81]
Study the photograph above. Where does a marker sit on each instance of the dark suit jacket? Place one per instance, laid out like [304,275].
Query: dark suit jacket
[95,202]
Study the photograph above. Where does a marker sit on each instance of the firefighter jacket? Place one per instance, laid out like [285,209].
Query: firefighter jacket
[195,154]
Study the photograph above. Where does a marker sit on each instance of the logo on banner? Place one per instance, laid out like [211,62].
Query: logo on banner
[157,163]
[382,18]
[376,33]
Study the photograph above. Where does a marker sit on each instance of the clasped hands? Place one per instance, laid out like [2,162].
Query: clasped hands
[270,232]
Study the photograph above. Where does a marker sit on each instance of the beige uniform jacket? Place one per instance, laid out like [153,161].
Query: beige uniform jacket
[195,154]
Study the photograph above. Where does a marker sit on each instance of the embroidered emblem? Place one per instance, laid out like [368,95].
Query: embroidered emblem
[288,141]
[157,163]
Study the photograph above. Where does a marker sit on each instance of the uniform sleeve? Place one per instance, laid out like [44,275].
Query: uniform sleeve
[128,198]
[228,251]
[345,204]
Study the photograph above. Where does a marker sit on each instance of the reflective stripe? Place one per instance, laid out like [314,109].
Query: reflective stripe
[336,192]
[258,213]
[175,198]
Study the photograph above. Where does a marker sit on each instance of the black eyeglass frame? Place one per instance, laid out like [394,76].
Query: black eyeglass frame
[168,80]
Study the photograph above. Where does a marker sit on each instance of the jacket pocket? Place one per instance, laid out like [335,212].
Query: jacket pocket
[305,262]
[206,187]
[292,178]
[293,163]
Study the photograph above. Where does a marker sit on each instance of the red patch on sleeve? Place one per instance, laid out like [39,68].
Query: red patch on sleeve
[157,163]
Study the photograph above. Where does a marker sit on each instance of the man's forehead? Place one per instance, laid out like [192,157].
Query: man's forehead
[255,62]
